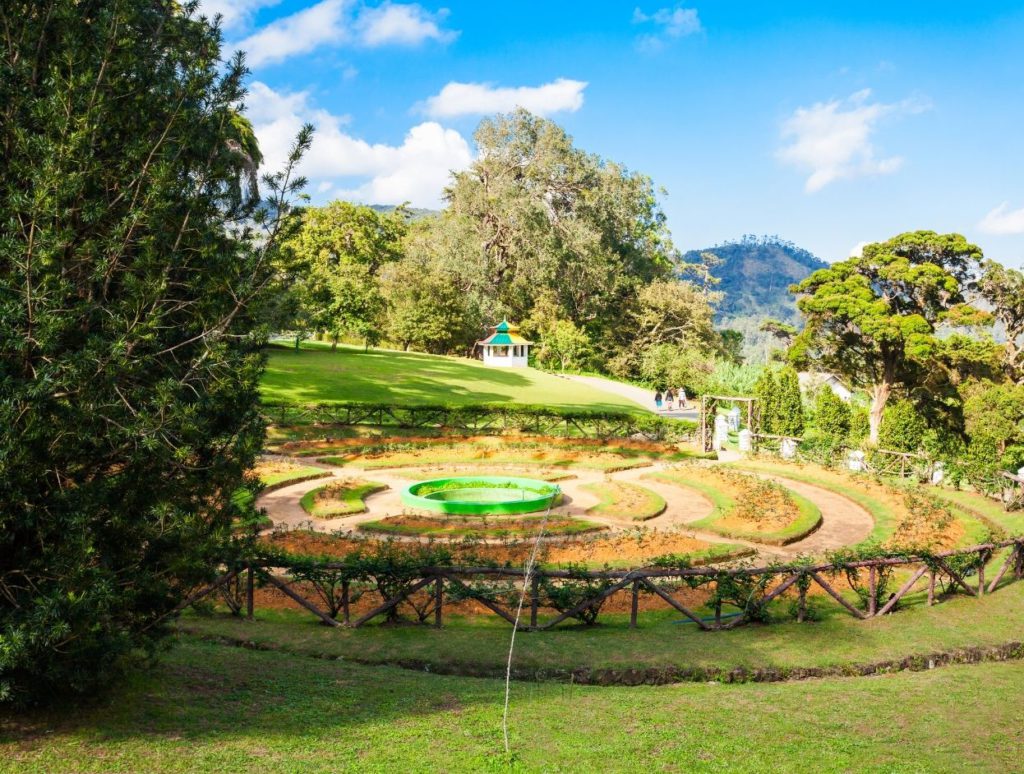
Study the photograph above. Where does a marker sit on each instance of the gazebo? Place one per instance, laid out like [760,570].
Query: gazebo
[505,347]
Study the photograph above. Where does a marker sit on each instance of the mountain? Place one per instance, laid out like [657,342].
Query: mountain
[755,275]
[415,213]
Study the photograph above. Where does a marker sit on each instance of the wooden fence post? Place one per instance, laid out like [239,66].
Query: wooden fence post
[801,609]
[534,600]
[872,590]
[249,593]
[931,586]
[438,600]
[635,606]
[345,615]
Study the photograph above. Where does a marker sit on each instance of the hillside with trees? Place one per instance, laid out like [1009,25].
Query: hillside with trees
[754,275]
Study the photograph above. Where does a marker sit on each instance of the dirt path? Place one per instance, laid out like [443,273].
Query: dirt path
[844,522]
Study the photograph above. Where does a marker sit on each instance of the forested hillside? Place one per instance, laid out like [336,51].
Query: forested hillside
[754,275]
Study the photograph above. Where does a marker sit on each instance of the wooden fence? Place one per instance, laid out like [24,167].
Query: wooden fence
[427,590]
[486,419]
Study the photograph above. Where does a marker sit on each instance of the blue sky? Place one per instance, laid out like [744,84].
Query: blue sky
[828,124]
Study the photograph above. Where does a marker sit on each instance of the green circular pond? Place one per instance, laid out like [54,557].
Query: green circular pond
[481,495]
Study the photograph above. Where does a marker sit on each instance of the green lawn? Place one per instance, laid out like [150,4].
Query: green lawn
[474,644]
[313,376]
[209,707]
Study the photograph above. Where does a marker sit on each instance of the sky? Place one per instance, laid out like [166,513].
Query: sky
[827,124]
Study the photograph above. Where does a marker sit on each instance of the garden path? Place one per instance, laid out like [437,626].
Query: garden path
[639,395]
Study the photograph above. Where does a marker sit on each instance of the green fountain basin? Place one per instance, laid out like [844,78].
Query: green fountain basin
[481,495]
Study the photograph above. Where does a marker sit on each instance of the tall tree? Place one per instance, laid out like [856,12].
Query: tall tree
[334,260]
[131,297]
[534,215]
[1003,288]
[875,319]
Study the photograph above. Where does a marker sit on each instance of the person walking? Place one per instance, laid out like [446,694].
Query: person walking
[670,396]
[657,399]
[682,398]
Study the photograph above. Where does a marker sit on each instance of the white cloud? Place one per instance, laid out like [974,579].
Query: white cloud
[235,14]
[463,99]
[674,23]
[322,24]
[1002,220]
[833,140]
[416,170]
[857,251]
[402,24]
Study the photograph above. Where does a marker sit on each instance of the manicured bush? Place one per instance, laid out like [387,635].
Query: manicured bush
[831,415]
[902,427]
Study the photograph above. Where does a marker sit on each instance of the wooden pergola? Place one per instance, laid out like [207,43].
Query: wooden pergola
[708,404]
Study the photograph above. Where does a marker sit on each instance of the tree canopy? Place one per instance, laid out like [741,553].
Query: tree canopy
[134,267]
[876,319]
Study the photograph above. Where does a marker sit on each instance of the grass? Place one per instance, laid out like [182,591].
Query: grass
[346,499]
[304,473]
[985,507]
[312,376]
[622,500]
[208,707]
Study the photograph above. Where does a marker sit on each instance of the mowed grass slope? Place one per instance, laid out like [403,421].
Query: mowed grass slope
[210,707]
[314,375]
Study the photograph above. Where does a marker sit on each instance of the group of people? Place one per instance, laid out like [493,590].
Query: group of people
[670,396]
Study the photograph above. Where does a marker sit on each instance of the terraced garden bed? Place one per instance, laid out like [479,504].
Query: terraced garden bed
[623,500]
[747,508]
[339,498]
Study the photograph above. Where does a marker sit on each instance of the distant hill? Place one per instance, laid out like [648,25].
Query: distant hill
[415,213]
[755,276]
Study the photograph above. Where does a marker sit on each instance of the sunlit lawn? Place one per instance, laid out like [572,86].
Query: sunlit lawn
[319,375]
[211,707]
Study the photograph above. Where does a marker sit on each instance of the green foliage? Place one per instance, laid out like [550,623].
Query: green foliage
[766,391]
[832,417]
[1003,289]
[789,412]
[565,346]
[780,403]
[875,319]
[565,594]
[132,296]
[428,307]
[902,428]
[333,260]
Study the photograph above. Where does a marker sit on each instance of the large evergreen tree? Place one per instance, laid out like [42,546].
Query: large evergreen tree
[130,298]
[877,319]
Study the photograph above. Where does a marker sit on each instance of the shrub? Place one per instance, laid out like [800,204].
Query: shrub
[831,415]
[902,427]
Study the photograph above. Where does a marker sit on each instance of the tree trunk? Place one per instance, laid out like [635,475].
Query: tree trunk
[879,397]
[298,340]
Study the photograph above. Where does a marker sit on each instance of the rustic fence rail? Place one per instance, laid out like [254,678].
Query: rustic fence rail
[427,590]
[487,419]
